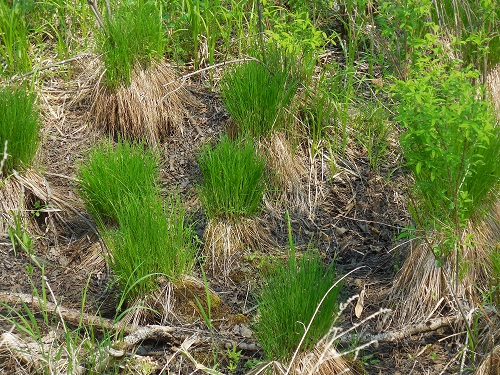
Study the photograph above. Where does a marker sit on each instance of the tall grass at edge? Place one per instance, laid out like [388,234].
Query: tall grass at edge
[19,127]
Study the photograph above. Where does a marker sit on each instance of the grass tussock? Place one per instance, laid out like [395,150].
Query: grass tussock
[287,304]
[138,96]
[233,179]
[256,94]
[146,238]
[152,240]
[19,128]
[422,288]
[132,36]
[153,106]
[111,172]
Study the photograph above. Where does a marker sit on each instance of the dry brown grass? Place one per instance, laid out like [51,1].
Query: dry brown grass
[154,105]
[226,242]
[291,174]
[422,289]
[491,364]
[493,81]
[323,359]
[18,194]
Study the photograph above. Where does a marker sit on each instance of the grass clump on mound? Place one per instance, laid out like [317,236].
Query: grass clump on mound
[112,172]
[231,194]
[452,146]
[287,303]
[255,94]
[134,34]
[148,237]
[151,240]
[19,127]
[233,176]
[139,96]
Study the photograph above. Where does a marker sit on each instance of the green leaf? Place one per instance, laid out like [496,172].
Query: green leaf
[418,167]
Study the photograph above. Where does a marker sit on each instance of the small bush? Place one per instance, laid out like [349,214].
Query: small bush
[19,127]
[451,143]
[133,35]
[151,240]
[109,174]
[232,179]
[256,94]
[287,303]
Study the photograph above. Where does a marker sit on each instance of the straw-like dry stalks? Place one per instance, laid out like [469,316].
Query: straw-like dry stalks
[290,174]
[154,105]
[491,364]
[493,81]
[172,302]
[324,360]
[422,289]
[227,241]
[19,194]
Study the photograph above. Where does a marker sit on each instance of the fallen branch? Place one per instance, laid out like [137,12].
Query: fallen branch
[405,332]
[135,334]
[69,315]
[35,355]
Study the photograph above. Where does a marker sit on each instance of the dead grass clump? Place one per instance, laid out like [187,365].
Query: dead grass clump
[27,201]
[173,301]
[422,289]
[226,242]
[493,81]
[323,359]
[491,364]
[151,107]
[290,174]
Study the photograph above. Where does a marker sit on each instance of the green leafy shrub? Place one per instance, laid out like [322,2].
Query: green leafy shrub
[287,303]
[19,127]
[110,173]
[133,35]
[256,94]
[152,239]
[232,179]
[296,34]
[451,143]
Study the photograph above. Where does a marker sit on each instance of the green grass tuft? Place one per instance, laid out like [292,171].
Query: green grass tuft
[19,127]
[232,179]
[152,239]
[133,35]
[256,94]
[287,303]
[111,173]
